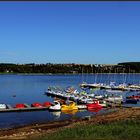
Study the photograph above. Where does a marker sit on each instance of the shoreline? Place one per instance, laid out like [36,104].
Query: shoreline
[52,74]
[37,130]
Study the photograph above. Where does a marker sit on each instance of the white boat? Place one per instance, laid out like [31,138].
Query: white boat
[114,91]
[134,86]
[86,100]
[55,106]
[98,96]
[82,106]
[91,95]
[120,87]
[59,93]
[3,106]
[89,101]
[115,99]
[102,103]
[95,85]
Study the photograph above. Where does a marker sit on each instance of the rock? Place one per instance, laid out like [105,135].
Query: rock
[87,118]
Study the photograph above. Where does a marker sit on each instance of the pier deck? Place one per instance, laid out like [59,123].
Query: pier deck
[27,108]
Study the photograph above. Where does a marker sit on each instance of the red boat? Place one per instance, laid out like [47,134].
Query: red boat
[136,97]
[46,104]
[20,105]
[94,105]
[36,104]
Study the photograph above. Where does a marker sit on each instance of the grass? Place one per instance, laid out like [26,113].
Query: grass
[129,129]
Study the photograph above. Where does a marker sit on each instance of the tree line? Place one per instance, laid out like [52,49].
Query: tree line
[50,68]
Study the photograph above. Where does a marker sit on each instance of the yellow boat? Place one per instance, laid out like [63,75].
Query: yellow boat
[70,106]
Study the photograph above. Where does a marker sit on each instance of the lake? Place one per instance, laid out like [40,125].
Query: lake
[30,88]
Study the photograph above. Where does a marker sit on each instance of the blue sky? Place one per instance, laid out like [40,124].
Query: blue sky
[69,32]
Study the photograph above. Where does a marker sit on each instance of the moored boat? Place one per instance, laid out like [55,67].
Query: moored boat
[19,105]
[95,85]
[94,105]
[82,106]
[55,106]
[115,99]
[102,103]
[70,106]
[46,104]
[3,106]
[36,104]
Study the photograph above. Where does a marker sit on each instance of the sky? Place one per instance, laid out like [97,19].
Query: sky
[69,32]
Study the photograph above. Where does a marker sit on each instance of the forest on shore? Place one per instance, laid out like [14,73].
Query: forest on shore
[50,68]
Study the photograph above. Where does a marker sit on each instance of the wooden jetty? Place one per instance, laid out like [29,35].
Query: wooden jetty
[26,108]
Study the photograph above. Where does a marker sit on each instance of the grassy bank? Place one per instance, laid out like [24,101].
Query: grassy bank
[128,129]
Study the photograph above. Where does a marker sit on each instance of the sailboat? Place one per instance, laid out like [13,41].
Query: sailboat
[94,85]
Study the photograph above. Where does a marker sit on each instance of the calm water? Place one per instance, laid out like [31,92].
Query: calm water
[31,88]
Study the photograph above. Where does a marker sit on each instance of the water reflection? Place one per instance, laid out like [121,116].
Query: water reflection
[56,114]
[70,112]
[96,110]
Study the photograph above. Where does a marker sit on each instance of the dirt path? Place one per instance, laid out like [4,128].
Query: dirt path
[33,131]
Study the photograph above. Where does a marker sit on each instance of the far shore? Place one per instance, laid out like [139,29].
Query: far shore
[5,73]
